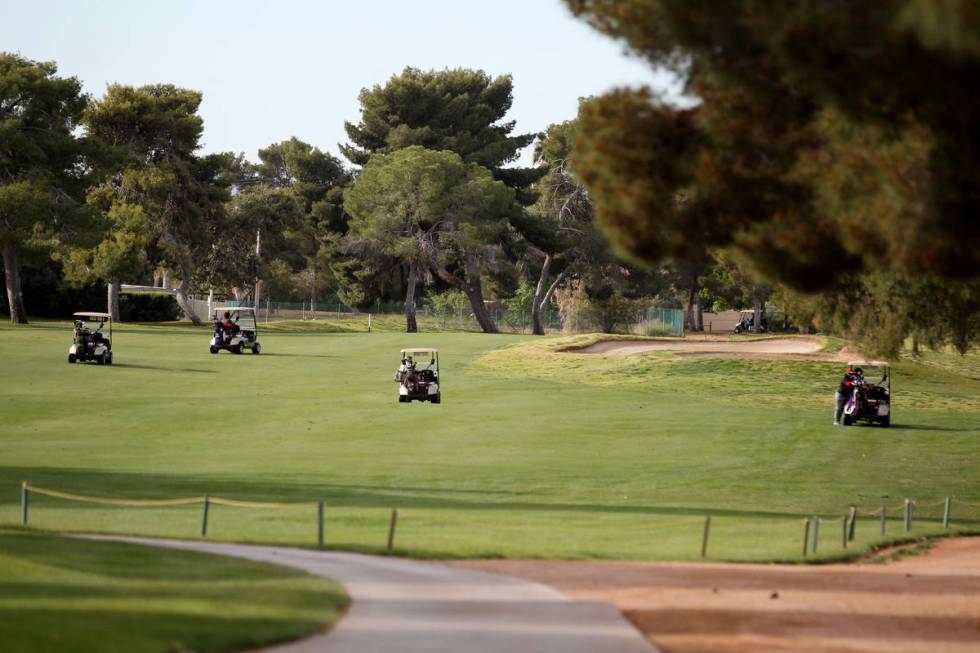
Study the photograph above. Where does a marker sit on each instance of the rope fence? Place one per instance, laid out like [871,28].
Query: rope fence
[206,500]
[811,525]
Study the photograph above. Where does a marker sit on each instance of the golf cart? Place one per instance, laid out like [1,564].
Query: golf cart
[235,329]
[870,401]
[89,344]
[418,383]
[746,320]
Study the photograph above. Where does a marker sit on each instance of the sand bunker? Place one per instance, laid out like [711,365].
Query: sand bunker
[693,346]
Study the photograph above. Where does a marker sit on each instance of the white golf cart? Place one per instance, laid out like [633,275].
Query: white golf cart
[235,329]
[746,320]
[91,344]
[418,376]
[871,399]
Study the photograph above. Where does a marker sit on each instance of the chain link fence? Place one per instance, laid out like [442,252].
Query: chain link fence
[509,317]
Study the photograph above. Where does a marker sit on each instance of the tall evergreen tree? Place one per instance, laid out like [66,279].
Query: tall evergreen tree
[43,171]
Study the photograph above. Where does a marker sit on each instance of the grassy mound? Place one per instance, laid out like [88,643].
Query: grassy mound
[68,595]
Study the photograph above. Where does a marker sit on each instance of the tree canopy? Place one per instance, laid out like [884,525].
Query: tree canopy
[43,168]
[459,110]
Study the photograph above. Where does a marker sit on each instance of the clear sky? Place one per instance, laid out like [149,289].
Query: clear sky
[272,70]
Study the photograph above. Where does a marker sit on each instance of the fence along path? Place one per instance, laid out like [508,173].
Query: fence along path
[811,524]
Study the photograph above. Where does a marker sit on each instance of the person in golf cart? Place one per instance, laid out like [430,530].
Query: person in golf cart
[229,327]
[410,377]
[845,389]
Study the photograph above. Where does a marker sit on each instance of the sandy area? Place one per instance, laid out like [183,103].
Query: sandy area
[721,347]
[928,603]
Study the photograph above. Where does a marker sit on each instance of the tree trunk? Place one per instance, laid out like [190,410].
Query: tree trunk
[474,291]
[258,257]
[165,279]
[411,326]
[112,303]
[313,284]
[757,316]
[546,299]
[689,323]
[700,314]
[15,296]
[537,327]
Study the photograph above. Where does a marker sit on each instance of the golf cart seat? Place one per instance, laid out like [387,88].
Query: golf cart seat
[877,392]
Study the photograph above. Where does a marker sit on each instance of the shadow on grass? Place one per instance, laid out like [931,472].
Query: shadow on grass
[305,355]
[924,427]
[106,484]
[133,366]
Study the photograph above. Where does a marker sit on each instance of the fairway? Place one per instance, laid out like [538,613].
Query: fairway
[71,596]
[533,454]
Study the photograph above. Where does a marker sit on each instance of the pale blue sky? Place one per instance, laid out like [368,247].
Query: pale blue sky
[271,70]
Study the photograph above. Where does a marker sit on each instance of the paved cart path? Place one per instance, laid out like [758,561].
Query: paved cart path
[409,606]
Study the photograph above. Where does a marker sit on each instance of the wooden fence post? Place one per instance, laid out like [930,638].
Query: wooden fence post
[946,507]
[319,523]
[704,536]
[908,515]
[853,521]
[806,535]
[23,503]
[204,521]
[391,529]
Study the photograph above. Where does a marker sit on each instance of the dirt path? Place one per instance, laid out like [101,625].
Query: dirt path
[929,603]
[725,346]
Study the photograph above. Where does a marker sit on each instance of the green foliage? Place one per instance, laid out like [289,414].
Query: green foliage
[96,597]
[43,166]
[178,196]
[816,162]
[449,302]
[148,307]
[458,110]
[418,205]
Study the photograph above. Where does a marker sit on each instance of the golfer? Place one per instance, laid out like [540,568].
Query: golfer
[844,389]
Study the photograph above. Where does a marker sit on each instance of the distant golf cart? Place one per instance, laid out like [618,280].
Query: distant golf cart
[235,329]
[746,320]
[418,377]
[870,400]
[89,344]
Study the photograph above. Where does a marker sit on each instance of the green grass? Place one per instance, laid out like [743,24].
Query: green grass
[533,453]
[68,595]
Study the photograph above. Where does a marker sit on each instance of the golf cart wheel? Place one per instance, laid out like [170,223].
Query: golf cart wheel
[738,329]
[239,348]
[108,358]
[71,358]
[214,350]
[886,421]
[848,420]
[437,398]
[403,399]
[100,359]
[256,348]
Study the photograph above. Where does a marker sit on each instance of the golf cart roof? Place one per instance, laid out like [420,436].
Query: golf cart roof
[103,316]
[420,350]
[868,363]
[246,309]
